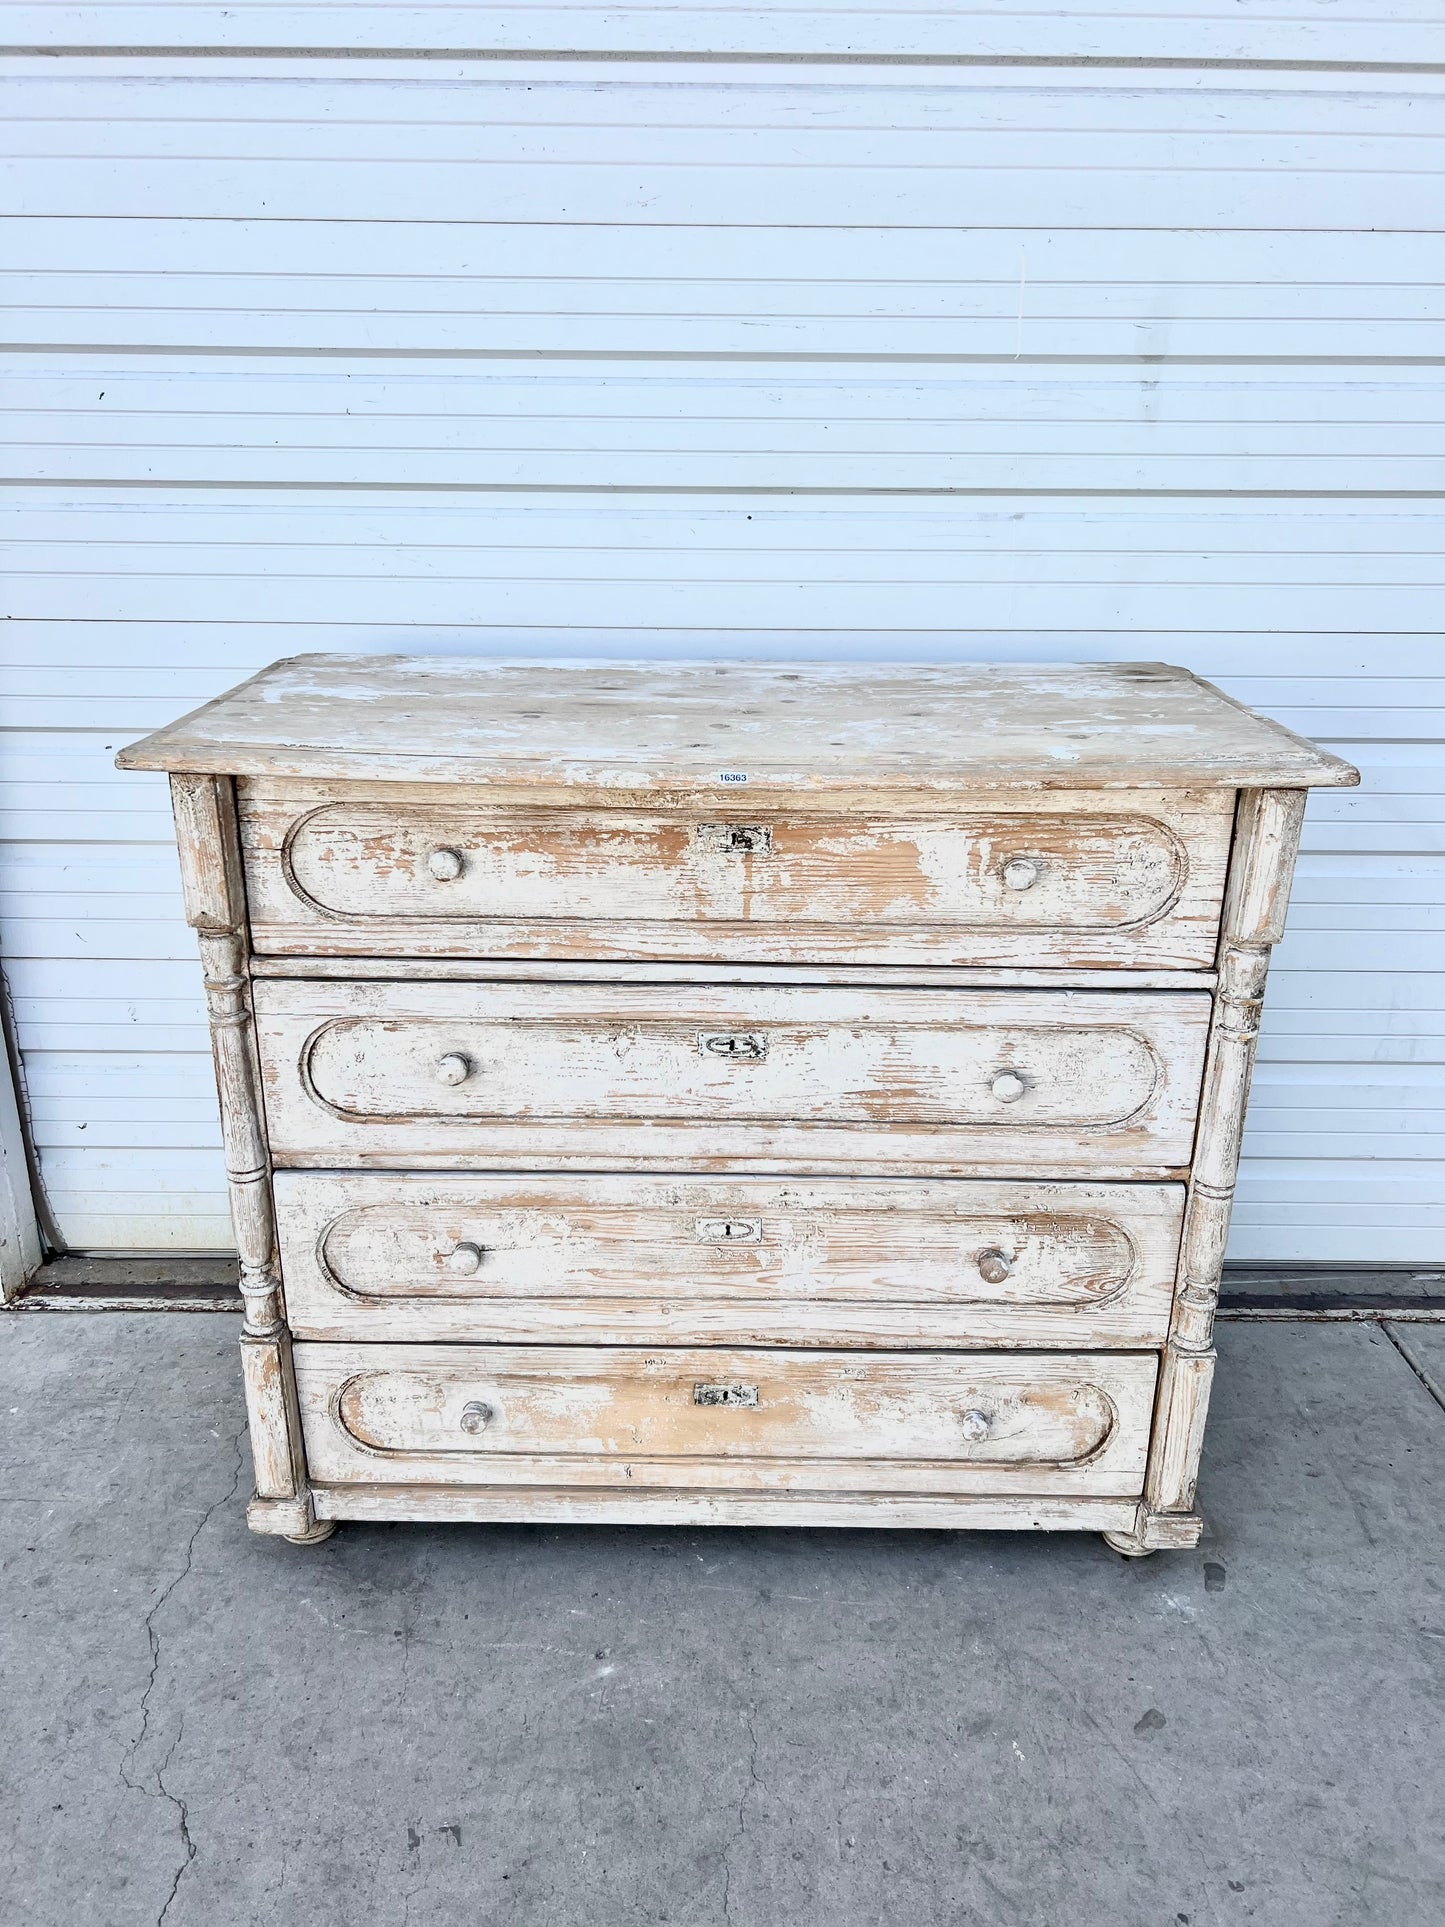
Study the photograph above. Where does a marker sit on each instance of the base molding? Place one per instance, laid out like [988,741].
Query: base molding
[1157,1532]
[293,1519]
[581,1506]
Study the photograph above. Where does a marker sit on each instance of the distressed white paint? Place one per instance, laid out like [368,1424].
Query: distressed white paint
[1143,280]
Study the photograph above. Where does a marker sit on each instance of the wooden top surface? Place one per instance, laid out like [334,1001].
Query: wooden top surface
[667,726]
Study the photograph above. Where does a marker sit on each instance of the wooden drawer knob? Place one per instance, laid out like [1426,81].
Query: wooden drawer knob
[476,1416]
[994,1266]
[976,1425]
[453,1068]
[445,865]
[464,1260]
[1022,873]
[1007,1087]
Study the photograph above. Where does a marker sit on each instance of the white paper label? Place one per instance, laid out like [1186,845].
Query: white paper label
[732,776]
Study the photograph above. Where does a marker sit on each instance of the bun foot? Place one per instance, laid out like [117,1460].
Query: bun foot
[1128,1544]
[1156,1532]
[313,1535]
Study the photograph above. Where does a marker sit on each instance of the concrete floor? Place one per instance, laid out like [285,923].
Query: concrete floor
[415,1727]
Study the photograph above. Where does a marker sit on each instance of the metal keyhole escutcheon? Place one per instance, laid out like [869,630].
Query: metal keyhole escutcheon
[735,1046]
[737,839]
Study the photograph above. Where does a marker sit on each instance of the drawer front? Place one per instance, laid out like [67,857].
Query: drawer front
[944,1422]
[1092,879]
[1060,1083]
[914,1261]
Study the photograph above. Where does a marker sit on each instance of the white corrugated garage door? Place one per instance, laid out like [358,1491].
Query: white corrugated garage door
[904,332]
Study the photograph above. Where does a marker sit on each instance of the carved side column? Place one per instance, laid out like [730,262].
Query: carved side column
[213,888]
[1267,831]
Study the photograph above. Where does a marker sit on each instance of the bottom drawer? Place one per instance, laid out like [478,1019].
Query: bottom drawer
[726,1421]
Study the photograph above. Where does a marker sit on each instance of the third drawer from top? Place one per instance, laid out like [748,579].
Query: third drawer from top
[735,1260]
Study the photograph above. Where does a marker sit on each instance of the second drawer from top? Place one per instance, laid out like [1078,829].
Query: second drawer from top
[678,1077]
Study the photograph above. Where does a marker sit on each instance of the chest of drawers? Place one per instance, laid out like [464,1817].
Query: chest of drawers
[732,1092]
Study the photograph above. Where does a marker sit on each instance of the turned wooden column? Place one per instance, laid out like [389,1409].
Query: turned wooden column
[1266,842]
[213,888]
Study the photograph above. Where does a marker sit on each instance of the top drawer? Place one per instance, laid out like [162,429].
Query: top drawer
[1087,879]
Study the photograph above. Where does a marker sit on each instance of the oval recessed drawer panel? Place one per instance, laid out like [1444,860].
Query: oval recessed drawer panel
[1083,879]
[738,1420]
[727,1260]
[1060,1083]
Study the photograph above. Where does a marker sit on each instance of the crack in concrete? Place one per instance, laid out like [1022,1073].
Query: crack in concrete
[161,1790]
[742,1825]
[1415,1366]
[183,1817]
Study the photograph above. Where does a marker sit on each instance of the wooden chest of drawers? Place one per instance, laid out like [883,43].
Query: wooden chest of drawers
[727,1092]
